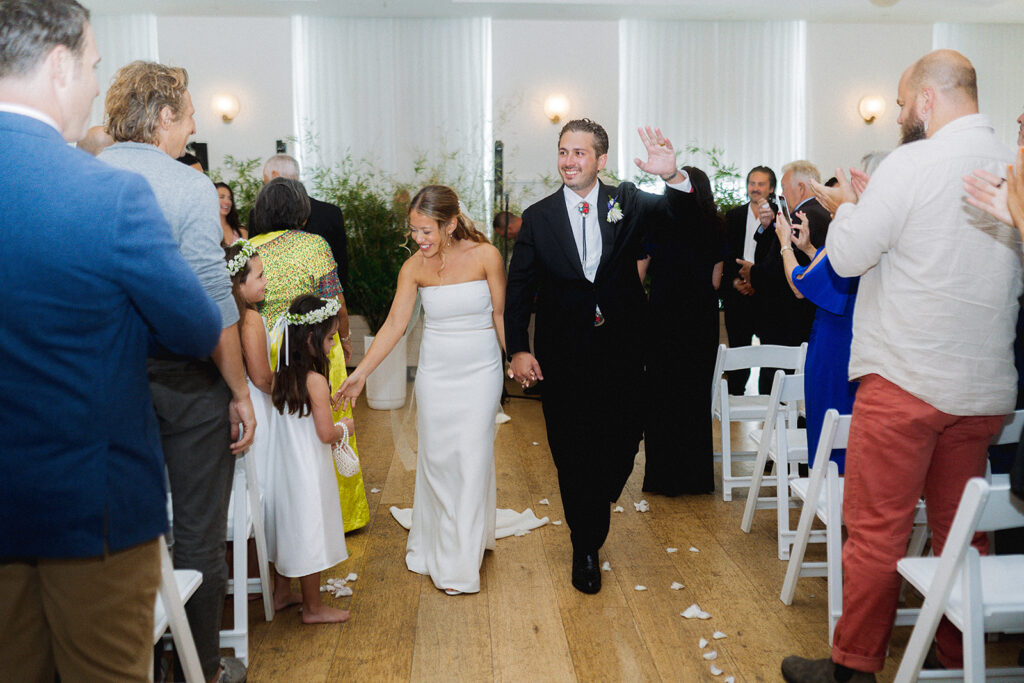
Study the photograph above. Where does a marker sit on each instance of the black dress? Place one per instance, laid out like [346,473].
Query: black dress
[682,342]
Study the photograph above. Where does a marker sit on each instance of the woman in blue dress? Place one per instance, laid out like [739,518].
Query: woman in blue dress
[826,380]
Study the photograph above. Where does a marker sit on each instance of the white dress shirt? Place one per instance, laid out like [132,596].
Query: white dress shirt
[594,242]
[937,304]
[753,225]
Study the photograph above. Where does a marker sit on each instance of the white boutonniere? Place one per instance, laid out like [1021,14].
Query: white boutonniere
[614,210]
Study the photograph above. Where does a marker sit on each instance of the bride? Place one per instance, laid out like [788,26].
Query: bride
[461,280]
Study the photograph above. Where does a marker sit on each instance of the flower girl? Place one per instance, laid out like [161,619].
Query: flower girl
[305,534]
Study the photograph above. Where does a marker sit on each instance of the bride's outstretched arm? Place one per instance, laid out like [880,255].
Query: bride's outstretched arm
[494,269]
[386,338]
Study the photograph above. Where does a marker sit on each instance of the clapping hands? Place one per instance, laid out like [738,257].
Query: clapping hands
[1002,199]
[843,193]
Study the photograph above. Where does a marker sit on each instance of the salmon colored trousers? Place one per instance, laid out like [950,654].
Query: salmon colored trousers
[900,449]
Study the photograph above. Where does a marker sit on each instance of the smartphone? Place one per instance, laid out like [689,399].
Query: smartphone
[784,208]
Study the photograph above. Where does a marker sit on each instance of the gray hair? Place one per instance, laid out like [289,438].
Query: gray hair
[30,29]
[870,161]
[284,165]
[803,169]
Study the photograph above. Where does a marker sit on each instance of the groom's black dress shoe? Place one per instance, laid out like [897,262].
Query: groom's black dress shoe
[586,572]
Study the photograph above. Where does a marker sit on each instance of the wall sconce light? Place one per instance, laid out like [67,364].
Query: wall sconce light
[226,107]
[556,107]
[871,107]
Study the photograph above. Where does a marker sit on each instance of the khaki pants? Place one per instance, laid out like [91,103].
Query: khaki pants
[90,619]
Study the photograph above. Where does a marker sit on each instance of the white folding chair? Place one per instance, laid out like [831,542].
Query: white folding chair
[824,477]
[728,409]
[977,594]
[176,587]
[245,519]
[784,444]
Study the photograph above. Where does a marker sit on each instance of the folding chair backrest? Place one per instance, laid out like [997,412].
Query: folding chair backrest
[1011,430]
[765,356]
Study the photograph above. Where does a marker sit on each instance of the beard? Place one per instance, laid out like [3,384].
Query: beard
[913,129]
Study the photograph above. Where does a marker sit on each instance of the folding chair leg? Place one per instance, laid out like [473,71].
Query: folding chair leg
[756,480]
[260,534]
[176,619]
[803,535]
[974,623]
[834,548]
[783,533]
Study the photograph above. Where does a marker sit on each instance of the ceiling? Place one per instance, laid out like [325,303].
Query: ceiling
[868,11]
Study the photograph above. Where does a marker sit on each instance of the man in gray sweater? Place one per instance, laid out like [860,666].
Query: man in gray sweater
[199,403]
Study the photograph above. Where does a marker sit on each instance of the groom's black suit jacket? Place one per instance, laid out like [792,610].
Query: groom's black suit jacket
[546,266]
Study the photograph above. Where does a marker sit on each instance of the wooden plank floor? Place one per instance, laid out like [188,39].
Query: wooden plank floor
[528,623]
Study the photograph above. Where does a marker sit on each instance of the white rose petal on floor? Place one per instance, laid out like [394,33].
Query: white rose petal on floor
[671,550]
[715,671]
[543,501]
[374,490]
[638,587]
[618,508]
[642,506]
[501,418]
[711,655]
[606,567]
[718,635]
[557,522]
[694,612]
[694,550]
[677,586]
[703,643]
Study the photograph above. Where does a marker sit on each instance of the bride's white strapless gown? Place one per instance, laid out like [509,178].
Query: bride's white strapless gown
[458,389]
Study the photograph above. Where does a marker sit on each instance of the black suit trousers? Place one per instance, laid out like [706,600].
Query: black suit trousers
[593,421]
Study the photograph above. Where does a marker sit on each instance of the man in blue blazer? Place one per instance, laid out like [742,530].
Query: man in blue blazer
[92,279]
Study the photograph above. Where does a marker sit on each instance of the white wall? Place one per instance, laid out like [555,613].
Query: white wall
[844,63]
[249,57]
[534,59]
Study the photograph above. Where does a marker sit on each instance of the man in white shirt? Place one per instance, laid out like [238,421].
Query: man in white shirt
[932,338]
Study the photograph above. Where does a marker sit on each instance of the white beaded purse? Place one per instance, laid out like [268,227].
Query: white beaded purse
[345,459]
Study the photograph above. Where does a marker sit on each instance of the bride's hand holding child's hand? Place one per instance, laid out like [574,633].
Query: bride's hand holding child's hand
[348,392]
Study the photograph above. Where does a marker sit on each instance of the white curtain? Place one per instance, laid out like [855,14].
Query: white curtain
[396,92]
[121,39]
[994,49]
[737,86]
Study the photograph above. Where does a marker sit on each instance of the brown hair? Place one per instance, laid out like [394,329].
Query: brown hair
[138,94]
[305,346]
[440,203]
[588,126]
[238,278]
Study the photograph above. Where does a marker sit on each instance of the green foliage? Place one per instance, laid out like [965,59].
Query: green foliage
[377,236]
[725,178]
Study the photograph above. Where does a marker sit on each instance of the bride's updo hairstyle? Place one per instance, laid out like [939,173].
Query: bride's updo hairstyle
[441,204]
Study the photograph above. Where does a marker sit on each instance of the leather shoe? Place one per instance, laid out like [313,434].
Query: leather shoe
[799,670]
[586,572]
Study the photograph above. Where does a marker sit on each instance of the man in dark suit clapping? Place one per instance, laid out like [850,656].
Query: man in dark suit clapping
[576,255]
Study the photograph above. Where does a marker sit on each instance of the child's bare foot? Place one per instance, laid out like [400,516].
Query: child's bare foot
[283,600]
[325,615]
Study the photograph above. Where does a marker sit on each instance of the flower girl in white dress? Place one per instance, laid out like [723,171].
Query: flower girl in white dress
[305,533]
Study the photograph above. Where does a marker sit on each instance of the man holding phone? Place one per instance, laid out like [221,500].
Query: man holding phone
[741,300]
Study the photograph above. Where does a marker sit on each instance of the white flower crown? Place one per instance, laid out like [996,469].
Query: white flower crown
[325,312]
[236,264]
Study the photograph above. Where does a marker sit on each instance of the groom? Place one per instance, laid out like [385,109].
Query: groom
[576,257]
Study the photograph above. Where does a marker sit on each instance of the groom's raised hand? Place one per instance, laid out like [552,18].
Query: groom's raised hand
[661,156]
